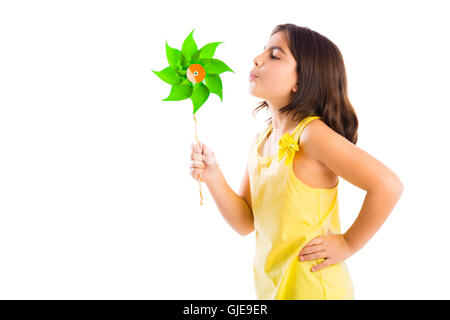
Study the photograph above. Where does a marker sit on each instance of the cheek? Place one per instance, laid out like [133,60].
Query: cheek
[279,84]
[280,77]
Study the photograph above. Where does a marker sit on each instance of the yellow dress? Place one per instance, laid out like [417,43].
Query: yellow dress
[287,215]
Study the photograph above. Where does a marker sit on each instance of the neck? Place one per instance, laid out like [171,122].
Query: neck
[282,124]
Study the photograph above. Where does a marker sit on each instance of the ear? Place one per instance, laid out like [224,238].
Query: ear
[295,88]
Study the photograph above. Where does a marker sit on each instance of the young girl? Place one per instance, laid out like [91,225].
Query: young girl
[289,191]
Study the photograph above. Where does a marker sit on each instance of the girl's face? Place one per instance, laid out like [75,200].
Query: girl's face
[276,73]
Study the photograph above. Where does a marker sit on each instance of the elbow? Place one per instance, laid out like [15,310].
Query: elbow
[394,187]
[249,224]
[397,187]
[391,186]
[247,231]
[400,188]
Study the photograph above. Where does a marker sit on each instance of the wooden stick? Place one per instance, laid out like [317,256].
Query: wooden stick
[200,176]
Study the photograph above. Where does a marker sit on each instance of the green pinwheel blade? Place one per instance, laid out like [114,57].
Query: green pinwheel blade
[214,84]
[200,94]
[169,75]
[173,56]
[179,92]
[188,49]
[206,52]
[215,66]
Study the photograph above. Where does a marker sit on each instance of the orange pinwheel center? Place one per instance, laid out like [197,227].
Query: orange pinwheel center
[195,73]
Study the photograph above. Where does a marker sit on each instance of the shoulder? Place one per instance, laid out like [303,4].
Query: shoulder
[316,136]
[259,134]
[315,129]
[255,138]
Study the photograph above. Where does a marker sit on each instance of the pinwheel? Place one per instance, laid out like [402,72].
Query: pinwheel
[193,73]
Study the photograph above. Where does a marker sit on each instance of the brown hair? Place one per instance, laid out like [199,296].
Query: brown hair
[322,89]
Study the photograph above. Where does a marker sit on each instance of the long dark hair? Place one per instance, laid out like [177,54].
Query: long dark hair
[322,87]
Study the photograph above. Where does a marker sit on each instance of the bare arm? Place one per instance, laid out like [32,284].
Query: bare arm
[245,192]
[235,208]
[361,169]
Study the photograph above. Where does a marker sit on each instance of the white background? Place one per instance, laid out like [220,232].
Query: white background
[96,201]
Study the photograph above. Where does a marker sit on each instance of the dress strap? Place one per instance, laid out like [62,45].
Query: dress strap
[302,126]
[263,135]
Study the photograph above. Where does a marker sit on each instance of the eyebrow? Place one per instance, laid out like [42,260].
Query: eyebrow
[276,47]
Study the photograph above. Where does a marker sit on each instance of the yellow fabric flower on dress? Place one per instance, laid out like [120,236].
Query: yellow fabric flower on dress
[287,146]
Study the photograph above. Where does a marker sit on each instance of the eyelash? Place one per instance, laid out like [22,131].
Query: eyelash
[274,58]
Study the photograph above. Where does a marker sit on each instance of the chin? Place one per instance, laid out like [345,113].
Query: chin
[254,92]
[255,95]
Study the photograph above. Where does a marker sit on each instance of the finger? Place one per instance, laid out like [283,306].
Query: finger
[208,155]
[197,164]
[322,265]
[316,240]
[312,256]
[309,245]
[311,249]
[192,172]
[197,156]
[207,151]
[197,148]
[196,173]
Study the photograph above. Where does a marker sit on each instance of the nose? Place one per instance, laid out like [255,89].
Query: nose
[257,60]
